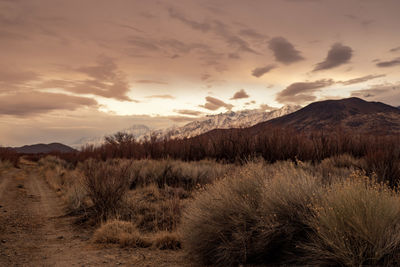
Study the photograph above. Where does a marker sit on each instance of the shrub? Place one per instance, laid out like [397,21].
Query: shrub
[175,173]
[106,184]
[256,216]
[153,209]
[356,224]
[119,232]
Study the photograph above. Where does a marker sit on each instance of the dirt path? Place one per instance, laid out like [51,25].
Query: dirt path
[35,232]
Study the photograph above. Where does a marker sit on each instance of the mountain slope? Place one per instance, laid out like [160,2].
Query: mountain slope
[350,114]
[239,119]
[44,148]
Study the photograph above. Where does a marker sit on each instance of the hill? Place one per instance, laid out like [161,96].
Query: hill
[44,148]
[350,114]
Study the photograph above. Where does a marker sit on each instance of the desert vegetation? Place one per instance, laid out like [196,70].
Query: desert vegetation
[276,199]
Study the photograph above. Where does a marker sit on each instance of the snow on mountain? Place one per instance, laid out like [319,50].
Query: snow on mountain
[231,119]
[239,119]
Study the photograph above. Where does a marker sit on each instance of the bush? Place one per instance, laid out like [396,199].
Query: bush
[356,224]
[119,232]
[250,217]
[153,209]
[176,173]
[106,184]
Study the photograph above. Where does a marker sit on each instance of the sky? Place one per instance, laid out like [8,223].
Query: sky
[73,69]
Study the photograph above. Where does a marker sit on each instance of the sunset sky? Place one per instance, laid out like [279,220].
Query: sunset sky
[71,69]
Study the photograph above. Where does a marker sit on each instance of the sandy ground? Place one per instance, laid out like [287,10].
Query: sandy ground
[34,230]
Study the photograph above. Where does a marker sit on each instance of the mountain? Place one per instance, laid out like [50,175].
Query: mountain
[350,114]
[44,148]
[239,119]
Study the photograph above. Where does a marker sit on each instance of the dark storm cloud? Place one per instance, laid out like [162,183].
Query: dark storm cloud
[284,51]
[189,112]
[31,103]
[240,95]
[361,79]
[390,63]
[338,54]
[213,103]
[161,96]
[258,72]
[302,91]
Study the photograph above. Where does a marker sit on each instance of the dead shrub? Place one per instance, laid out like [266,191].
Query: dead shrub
[106,184]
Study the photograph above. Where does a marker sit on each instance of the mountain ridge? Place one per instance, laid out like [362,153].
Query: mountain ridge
[43,148]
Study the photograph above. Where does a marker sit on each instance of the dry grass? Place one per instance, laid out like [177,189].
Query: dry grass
[250,217]
[119,232]
[166,241]
[357,223]
[176,173]
[282,213]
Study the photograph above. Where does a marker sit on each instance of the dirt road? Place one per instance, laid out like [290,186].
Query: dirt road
[35,232]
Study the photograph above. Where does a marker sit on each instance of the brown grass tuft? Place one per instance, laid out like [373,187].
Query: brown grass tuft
[119,232]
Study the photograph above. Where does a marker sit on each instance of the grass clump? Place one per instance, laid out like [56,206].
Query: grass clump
[250,217]
[166,241]
[356,224]
[120,232]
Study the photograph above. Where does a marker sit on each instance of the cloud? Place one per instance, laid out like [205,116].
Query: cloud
[386,92]
[189,112]
[204,27]
[395,49]
[390,63]
[302,91]
[338,54]
[11,80]
[258,72]
[150,82]
[142,43]
[284,51]
[213,103]
[252,34]
[361,79]
[29,103]
[219,28]
[240,95]
[104,79]
[224,32]
[265,107]
[161,96]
